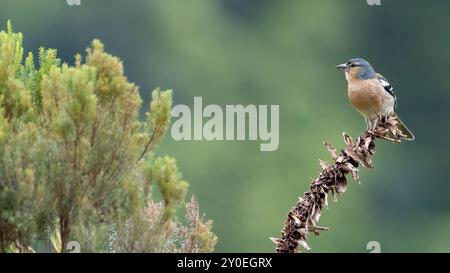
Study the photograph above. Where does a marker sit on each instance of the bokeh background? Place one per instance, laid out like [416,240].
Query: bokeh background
[284,52]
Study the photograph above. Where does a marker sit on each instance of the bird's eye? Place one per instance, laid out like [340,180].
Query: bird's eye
[352,65]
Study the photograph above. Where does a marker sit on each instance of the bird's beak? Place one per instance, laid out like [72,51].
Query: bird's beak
[342,66]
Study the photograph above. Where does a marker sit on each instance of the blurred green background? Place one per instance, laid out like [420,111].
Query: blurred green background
[284,52]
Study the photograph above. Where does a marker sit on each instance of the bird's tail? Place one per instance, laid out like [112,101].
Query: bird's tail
[405,131]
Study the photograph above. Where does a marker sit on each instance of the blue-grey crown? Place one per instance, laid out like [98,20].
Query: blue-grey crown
[367,71]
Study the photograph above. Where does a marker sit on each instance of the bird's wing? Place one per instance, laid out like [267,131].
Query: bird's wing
[388,87]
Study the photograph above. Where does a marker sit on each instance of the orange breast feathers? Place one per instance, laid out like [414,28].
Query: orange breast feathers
[369,97]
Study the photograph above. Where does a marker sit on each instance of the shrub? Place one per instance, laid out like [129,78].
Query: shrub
[77,163]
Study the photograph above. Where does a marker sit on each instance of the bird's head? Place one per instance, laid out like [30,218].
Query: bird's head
[357,69]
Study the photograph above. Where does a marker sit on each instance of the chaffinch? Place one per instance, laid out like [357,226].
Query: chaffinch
[371,94]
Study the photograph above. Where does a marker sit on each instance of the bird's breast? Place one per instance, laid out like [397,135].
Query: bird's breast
[366,96]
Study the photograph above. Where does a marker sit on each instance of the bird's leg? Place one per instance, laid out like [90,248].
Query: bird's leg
[370,125]
[375,123]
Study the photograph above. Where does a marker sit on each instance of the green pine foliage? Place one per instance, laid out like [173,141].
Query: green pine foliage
[77,164]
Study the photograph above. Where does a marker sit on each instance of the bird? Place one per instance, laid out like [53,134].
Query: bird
[371,94]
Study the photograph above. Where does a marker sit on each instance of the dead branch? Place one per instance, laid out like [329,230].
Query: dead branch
[303,217]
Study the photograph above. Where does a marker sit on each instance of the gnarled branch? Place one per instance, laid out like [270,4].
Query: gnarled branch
[303,217]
